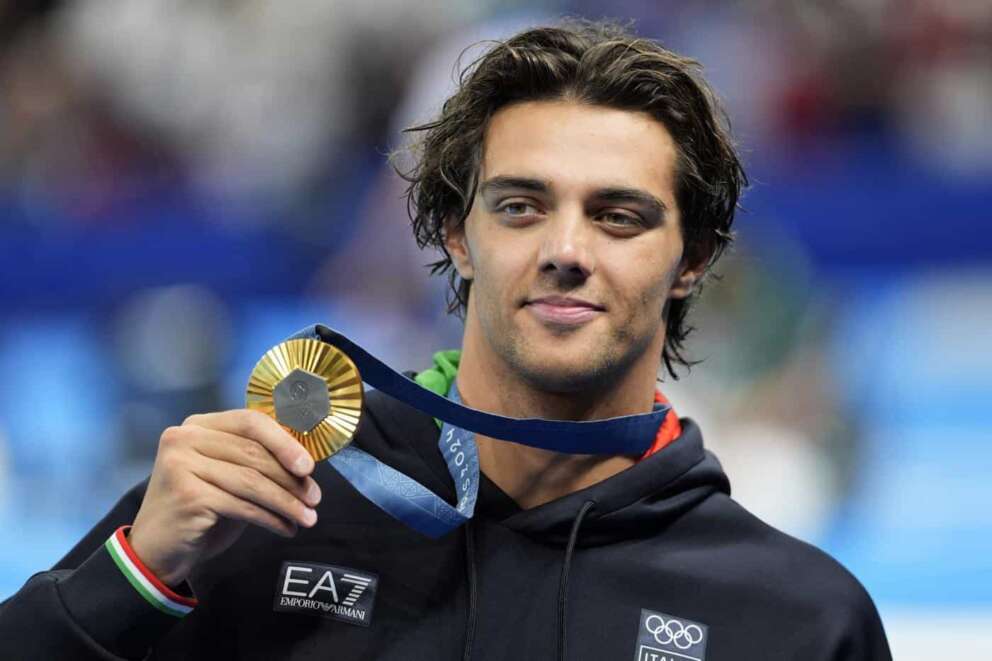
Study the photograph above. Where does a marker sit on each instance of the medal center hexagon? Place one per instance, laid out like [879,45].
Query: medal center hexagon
[301,400]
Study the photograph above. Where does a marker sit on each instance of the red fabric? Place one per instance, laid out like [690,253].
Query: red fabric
[121,534]
[669,430]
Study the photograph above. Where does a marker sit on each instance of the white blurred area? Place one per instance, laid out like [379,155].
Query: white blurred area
[255,94]
[943,633]
[184,183]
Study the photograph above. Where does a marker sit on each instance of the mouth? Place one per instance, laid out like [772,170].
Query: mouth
[563,310]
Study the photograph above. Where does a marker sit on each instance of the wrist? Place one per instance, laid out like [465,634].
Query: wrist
[147,560]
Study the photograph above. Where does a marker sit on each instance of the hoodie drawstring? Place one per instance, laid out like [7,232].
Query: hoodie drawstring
[472,591]
[473,588]
[563,586]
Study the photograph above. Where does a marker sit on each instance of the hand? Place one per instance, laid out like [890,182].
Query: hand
[213,476]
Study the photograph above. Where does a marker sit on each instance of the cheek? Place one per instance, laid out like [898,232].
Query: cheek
[653,299]
[500,268]
[646,277]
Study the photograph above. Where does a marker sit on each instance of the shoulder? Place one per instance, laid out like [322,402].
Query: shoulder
[805,583]
[761,578]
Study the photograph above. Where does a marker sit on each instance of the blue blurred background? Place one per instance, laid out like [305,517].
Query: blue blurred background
[183,184]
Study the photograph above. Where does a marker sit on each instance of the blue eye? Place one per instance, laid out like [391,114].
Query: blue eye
[515,209]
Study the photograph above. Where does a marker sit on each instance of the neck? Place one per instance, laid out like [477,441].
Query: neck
[533,476]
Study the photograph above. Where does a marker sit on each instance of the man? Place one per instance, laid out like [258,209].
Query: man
[580,184]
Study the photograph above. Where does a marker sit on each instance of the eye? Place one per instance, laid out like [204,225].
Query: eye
[624,220]
[518,209]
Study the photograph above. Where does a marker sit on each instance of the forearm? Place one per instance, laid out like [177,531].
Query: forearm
[99,610]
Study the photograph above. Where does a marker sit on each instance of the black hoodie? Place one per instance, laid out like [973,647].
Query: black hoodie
[654,564]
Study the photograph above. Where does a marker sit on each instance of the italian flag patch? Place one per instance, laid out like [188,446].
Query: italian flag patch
[146,583]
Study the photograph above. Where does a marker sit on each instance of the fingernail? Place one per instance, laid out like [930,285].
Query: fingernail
[302,464]
[313,493]
[309,517]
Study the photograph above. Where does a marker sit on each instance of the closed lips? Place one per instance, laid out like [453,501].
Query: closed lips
[563,310]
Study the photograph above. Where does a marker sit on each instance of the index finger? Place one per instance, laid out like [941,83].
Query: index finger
[263,429]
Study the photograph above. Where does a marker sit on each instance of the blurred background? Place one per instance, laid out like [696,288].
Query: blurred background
[185,183]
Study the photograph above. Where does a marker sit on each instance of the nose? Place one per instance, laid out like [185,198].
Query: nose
[566,252]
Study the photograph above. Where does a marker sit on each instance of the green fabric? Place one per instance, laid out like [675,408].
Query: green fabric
[439,377]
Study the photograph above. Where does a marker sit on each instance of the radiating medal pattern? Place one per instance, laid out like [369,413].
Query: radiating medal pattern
[313,390]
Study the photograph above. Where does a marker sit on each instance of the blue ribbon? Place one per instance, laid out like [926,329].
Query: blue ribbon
[629,434]
[409,501]
[420,508]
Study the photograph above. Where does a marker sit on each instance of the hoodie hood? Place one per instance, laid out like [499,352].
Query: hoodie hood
[634,503]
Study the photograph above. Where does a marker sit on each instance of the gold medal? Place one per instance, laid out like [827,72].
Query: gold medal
[313,390]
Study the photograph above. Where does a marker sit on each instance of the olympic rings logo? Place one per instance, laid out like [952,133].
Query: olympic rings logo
[673,632]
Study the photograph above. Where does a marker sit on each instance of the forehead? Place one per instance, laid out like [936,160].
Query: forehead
[579,147]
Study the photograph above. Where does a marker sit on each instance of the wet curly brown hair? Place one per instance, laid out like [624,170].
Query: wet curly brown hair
[599,63]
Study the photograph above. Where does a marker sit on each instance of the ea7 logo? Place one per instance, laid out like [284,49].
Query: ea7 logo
[328,590]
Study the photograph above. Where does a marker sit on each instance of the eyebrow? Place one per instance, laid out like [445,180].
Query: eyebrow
[503,184]
[632,195]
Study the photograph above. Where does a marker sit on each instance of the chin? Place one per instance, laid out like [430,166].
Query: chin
[586,358]
[567,369]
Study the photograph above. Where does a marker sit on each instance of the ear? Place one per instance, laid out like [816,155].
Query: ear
[692,268]
[456,243]
[685,283]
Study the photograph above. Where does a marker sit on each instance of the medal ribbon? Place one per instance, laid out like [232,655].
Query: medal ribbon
[420,508]
[629,434]
[409,501]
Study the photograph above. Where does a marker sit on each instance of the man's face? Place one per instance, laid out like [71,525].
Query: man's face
[573,244]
